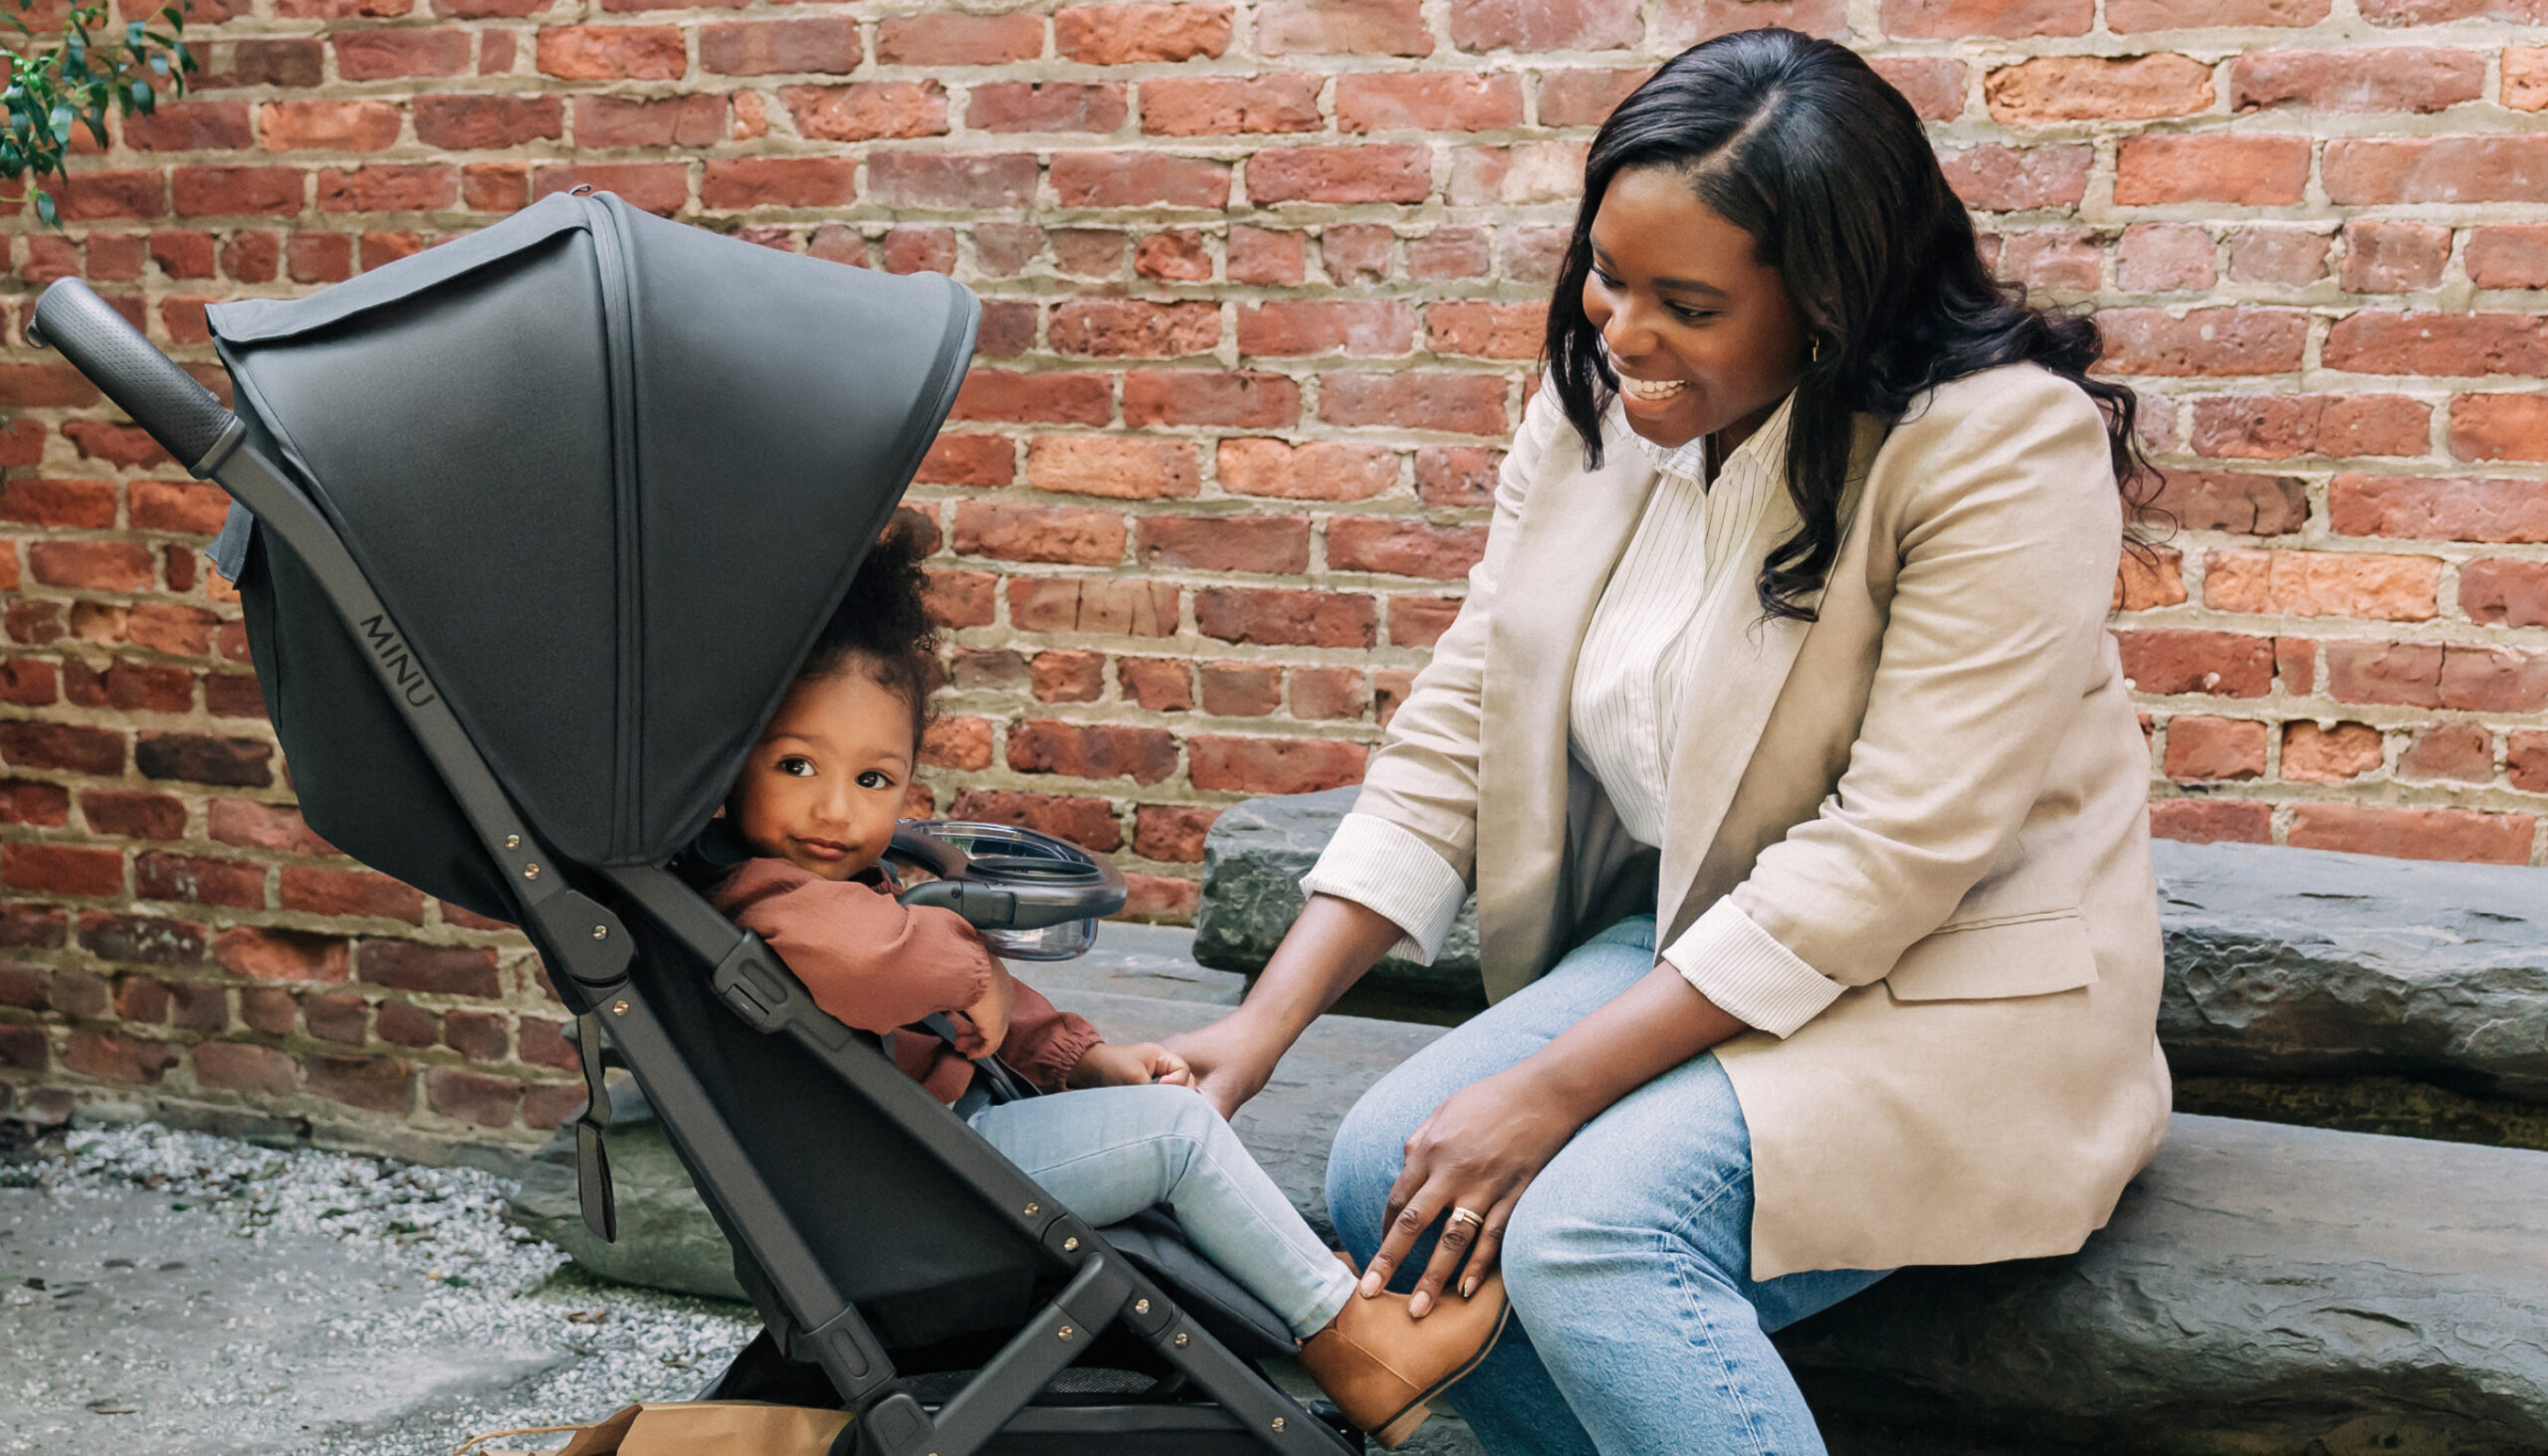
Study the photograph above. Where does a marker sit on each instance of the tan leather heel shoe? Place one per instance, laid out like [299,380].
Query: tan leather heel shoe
[1380,1366]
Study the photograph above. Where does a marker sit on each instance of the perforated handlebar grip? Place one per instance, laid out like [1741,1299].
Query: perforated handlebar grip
[185,418]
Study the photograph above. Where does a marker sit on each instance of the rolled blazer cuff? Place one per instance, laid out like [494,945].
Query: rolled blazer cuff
[1749,975]
[1381,867]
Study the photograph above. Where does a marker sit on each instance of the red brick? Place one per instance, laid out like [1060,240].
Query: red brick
[2500,427]
[2526,758]
[1126,34]
[1277,544]
[1434,101]
[34,925]
[866,111]
[2526,72]
[1460,405]
[662,188]
[107,565]
[997,181]
[1933,85]
[1486,330]
[2390,257]
[2201,748]
[1397,546]
[2126,15]
[1956,20]
[1106,606]
[2252,504]
[1321,469]
[2157,258]
[229,1066]
[434,970]
[2248,168]
[1157,684]
[236,191]
[199,880]
[2393,79]
[388,188]
[1094,253]
[1230,105]
[1139,179]
[275,827]
[2414,834]
[129,686]
[24,1047]
[2508,256]
[1325,327]
[1680,22]
[1068,676]
[26,801]
[1268,256]
[2372,170]
[1019,531]
[349,893]
[1995,178]
[738,183]
[1173,832]
[1279,617]
[969,460]
[232,694]
[1242,688]
[1450,253]
[2212,821]
[1092,750]
[1126,328]
[957,742]
[61,745]
[2312,754]
[83,504]
[603,122]
[1273,765]
[2050,88]
[385,55]
[2295,662]
[1001,396]
[1234,398]
[117,1058]
[374,1084]
[1051,106]
[29,682]
[2323,584]
[1372,172]
[954,38]
[2223,664]
[328,125]
[115,256]
[2463,753]
[1112,466]
[191,126]
[1177,255]
[2506,593]
[40,387]
[95,196]
[133,814]
[616,51]
[204,758]
[1341,27]
[1330,693]
[1088,822]
[62,869]
[495,186]
[1546,25]
[2279,427]
[2226,341]
[2504,510]
[1159,898]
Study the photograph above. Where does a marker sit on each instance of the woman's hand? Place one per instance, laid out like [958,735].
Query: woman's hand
[1228,1061]
[1326,949]
[1138,1065]
[1481,1147]
[989,1015]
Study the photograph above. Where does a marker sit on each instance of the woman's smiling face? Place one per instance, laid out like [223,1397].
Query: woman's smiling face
[1702,334]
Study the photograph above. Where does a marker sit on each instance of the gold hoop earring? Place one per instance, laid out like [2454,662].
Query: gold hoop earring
[1813,353]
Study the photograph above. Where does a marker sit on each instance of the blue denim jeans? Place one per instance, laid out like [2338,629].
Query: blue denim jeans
[1108,1152]
[1638,1328]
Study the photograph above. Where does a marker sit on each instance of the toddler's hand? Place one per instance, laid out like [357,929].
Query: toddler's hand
[984,1024]
[1138,1065]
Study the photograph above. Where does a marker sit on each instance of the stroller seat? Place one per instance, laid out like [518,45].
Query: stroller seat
[536,526]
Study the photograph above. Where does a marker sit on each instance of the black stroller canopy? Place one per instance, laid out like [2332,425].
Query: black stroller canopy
[609,475]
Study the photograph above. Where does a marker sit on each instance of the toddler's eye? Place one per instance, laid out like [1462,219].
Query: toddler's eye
[875,778]
[796,767]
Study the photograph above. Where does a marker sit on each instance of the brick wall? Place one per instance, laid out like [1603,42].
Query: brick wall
[1262,283]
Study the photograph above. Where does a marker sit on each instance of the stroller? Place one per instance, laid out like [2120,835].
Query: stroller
[544,520]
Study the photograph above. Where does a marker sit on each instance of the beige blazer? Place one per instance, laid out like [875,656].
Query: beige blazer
[1935,795]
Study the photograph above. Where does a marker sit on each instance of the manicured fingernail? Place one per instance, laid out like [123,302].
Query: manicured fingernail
[1468,1288]
[1369,1286]
[1418,1307]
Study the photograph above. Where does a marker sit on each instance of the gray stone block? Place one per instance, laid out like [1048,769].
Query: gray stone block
[2261,1289]
[667,1240]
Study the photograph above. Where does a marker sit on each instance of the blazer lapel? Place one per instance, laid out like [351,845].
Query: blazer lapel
[1571,536]
[1746,657]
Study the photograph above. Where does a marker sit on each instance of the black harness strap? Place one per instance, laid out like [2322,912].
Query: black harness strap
[592,1159]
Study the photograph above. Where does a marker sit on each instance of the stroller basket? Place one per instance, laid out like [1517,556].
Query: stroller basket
[536,526]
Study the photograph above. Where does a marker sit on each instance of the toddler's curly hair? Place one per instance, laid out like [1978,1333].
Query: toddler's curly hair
[881,626]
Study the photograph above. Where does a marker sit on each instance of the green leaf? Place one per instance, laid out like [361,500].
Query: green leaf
[61,118]
[45,210]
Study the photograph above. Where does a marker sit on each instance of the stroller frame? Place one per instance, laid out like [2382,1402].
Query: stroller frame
[589,947]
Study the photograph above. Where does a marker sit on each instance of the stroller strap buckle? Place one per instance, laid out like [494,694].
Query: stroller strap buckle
[752,988]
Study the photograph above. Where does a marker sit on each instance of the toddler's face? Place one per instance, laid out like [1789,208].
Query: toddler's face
[824,785]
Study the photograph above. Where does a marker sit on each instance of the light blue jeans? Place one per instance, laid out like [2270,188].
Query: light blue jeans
[1108,1152]
[1638,1328]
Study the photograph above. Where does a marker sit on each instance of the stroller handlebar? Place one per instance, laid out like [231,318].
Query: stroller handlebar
[186,419]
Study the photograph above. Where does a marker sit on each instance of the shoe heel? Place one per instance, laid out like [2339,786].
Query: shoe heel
[1399,1431]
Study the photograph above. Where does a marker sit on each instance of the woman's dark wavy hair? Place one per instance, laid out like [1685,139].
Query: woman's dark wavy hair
[1800,143]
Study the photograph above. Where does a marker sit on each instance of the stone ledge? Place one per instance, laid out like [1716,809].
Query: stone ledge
[2282,963]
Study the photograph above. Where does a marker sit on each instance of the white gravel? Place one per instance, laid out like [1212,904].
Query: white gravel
[488,1281]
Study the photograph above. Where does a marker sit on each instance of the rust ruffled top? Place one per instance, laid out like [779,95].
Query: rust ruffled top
[880,965]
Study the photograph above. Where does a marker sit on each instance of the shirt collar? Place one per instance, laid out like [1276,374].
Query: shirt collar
[1766,448]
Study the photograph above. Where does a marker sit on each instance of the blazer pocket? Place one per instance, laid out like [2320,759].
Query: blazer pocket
[2011,956]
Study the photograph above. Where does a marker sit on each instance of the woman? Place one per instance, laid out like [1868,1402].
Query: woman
[1786,657]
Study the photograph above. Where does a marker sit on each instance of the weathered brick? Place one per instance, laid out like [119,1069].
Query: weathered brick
[2052,88]
[2414,834]
[1020,531]
[1294,328]
[1397,547]
[2252,169]
[2504,510]
[374,1084]
[1372,172]
[1268,543]
[1092,606]
[1126,329]
[2500,427]
[1112,466]
[2508,256]
[1229,106]
[2315,754]
[1088,822]
[1273,765]
[1459,404]
[1092,750]
[2504,593]
[2222,664]
[1342,27]
[1130,34]
[1546,25]
[2376,79]
[2223,340]
[1157,684]
[1949,20]
[2214,748]
[1998,178]
[1278,617]
[2462,752]
[1432,100]
[2323,584]
[322,890]
[2372,170]
[1139,179]
[1321,469]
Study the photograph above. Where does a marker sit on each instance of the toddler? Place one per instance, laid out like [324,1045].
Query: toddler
[816,806]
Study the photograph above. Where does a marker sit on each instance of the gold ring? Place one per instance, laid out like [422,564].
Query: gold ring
[1468,1216]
